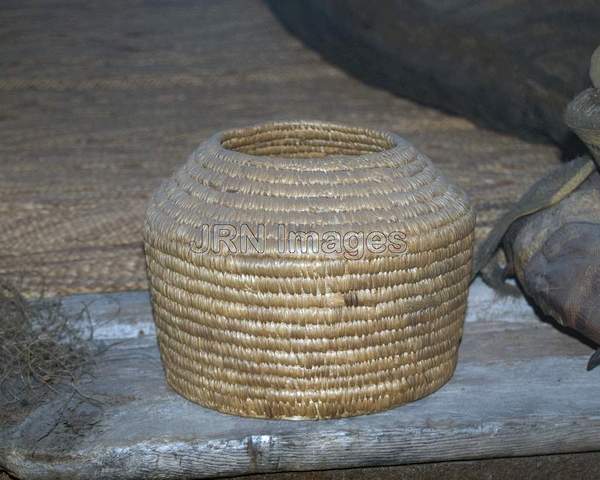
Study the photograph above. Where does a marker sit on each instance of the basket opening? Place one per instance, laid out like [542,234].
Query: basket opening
[306,140]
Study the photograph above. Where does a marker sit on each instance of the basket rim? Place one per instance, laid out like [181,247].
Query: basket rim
[399,144]
[309,221]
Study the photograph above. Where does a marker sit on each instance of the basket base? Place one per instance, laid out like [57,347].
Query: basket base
[321,410]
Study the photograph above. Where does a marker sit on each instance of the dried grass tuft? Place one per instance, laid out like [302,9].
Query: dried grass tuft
[41,347]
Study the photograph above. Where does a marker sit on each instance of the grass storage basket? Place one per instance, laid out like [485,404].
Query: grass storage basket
[308,270]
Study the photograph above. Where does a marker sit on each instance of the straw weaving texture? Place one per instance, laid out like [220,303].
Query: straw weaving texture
[309,334]
[85,147]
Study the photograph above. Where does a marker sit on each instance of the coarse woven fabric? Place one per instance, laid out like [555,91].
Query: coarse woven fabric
[302,332]
[101,101]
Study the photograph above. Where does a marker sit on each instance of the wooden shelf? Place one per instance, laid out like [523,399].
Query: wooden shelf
[521,388]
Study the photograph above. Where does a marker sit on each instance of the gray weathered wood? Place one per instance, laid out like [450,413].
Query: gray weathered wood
[114,315]
[128,315]
[520,388]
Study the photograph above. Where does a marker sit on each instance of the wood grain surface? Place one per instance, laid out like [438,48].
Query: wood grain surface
[520,388]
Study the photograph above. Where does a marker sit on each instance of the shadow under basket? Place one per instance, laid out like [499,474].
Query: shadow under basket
[351,299]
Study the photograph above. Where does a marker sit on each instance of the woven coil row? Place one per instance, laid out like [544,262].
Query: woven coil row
[308,333]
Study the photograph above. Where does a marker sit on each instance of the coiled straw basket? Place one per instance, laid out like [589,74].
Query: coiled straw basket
[281,332]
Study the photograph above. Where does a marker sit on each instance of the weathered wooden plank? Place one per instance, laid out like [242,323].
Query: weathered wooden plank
[520,388]
[114,315]
[580,466]
[128,314]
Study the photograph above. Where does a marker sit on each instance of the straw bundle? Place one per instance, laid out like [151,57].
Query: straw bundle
[287,330]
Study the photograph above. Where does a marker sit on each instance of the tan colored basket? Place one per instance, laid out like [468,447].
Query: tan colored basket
[308,332]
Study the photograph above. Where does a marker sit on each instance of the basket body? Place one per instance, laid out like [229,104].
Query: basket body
[350,300]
